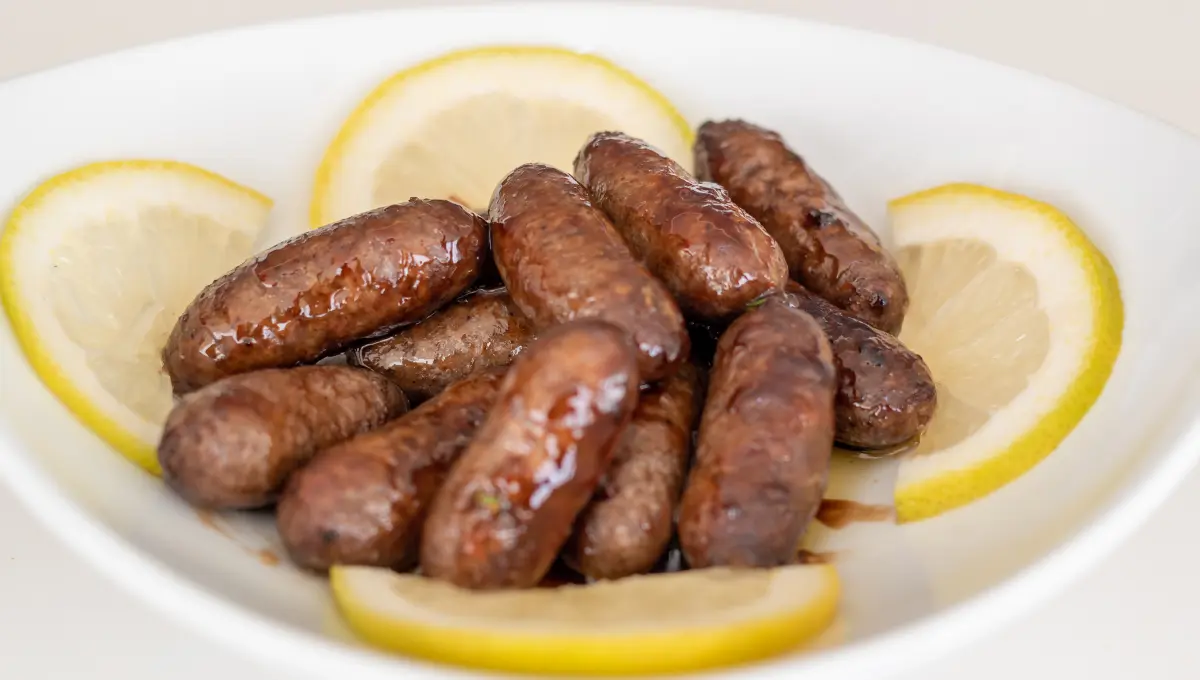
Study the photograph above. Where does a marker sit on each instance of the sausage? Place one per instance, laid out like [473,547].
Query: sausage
[712,255]
[312,295]
[828,248]
[885,394]
[630,521]
[510,502]
[233,444]
[562,260]
[766,436]
[363,501]
[482,330]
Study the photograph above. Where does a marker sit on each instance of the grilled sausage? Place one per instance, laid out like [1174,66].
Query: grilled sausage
[510,502]
[712,256]
[885,394]
[562,260]
[363,501]
[233,444]
[313,294]
[766,436]
[828,248]
[482,330]
[627,526]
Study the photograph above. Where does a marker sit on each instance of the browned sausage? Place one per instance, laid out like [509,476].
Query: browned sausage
[562,260]
[482,330]
[313,294]
[712,256]
[828,248]
[234,443]
[627,526]
[766,436]
[363,501]
[885,395]
[510,502]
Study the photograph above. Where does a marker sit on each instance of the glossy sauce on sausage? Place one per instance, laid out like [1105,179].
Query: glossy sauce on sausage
[312,295]
[510,503]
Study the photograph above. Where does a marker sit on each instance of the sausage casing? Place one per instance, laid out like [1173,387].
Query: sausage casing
[766,435]
[234,443]
[829,249]
[482,330]
[561,260]
[510,502]
[315,293]
[629,523]
[886,395]
[363,501]
[713,256]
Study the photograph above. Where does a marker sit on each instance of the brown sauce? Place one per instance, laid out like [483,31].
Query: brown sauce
[810,557]
[837,513]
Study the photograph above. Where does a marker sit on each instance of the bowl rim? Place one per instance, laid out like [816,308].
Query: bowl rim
[285,646]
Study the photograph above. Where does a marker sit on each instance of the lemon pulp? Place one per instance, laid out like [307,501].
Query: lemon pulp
[1019,318]
[98,263]
[454,126]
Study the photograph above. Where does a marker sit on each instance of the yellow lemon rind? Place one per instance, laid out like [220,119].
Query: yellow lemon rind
[50,372]
[636,653]
[318,211]
[955,488]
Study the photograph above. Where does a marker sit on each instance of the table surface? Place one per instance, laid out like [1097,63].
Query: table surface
[1132,615]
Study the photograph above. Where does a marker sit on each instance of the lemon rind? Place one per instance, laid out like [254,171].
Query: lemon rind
[951,489]
[331,160]
[44,365]
[691,648]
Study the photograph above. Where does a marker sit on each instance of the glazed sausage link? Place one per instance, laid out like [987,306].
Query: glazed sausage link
[483,329]
[509,503]
[886,395]
[363,501]
[712,255]
[314,294]
[627,526]
[234,443]
[766,436]
[562,260]
[828,248]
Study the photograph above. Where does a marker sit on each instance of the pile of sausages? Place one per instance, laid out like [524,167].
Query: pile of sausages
[482,431]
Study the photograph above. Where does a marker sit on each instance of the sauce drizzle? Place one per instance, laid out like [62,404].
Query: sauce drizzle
[837,513]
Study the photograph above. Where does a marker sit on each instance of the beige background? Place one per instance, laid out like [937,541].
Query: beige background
[1135,616]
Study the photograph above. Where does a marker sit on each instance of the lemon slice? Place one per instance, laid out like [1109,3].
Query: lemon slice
[454,126]
[644,624]
[1019,317]
[97,263]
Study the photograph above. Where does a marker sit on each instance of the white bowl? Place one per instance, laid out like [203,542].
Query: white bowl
[879,117]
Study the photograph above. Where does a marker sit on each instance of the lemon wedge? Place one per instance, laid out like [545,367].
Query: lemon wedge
[97,263]
[454,126]
[660,623]
[1019,317]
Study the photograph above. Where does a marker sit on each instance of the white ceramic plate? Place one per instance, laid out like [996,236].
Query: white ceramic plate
[879,117]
